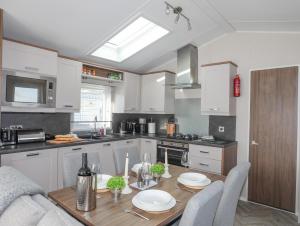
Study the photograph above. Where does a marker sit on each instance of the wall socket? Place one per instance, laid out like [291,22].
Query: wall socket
[221,129]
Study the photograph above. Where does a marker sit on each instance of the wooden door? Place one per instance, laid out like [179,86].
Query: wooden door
[273,137]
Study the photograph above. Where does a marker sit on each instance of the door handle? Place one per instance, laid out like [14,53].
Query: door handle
[254,143]
[106,145]
[76,149]
[32,154]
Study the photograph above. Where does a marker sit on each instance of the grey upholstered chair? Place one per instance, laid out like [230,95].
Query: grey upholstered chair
[234,182]
[71,165]
[120,156]
[201,208]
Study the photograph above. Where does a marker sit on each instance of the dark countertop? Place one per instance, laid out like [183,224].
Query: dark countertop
[116,137]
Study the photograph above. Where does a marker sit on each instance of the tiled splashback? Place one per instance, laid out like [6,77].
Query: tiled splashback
[159,119]
[189,118]
[229,124]
[58,123]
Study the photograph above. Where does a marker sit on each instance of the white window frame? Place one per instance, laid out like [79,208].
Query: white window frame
[107,113]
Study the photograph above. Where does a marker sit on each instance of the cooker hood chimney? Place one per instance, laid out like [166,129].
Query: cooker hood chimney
[187,68]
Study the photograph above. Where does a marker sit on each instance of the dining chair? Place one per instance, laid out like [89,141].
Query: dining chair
[234,182]
[201,208]
[120,156]
[71,165]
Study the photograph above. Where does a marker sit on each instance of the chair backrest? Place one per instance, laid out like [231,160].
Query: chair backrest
[201,208]
[234,182]
[71,165]
[120,156]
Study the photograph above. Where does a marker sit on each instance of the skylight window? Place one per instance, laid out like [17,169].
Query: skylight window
[136,36]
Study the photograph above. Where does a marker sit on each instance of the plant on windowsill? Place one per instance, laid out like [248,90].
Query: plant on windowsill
[157,170]
[115,185]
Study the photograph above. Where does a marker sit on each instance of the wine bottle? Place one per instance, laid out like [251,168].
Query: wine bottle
[84,170]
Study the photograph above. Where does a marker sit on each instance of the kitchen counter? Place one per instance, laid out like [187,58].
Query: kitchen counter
[116,137]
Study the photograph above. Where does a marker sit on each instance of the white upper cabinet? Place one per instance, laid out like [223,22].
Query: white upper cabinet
[217,89]
[157,96]
[126,98]
[17,56]
[68,85]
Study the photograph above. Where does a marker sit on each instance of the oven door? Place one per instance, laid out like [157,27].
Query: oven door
[174,154]
[22,89]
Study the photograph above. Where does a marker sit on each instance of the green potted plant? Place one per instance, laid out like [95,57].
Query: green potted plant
[157,170]
[115,185]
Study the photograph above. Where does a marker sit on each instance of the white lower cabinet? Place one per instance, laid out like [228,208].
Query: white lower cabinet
[149,146]
[106,158]
[120,148]
[40,166]
[70,161]
[206,158]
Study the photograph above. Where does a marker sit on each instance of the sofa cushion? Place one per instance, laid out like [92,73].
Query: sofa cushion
[57,218]
[44,202]
[49,206]
[22,212]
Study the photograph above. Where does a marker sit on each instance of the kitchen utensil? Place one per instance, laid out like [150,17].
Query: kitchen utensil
[135,213]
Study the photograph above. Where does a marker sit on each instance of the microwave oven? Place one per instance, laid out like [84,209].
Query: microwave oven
[21,89]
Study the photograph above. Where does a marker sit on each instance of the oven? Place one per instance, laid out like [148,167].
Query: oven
[175,151]
[21,89]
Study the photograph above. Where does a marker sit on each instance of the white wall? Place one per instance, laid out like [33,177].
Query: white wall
[250,51]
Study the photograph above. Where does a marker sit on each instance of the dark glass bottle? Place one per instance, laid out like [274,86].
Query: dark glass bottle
[84,170]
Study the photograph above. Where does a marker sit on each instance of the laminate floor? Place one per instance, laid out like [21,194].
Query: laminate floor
[250,214]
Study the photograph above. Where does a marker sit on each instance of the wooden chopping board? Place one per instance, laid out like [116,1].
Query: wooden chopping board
[64,141]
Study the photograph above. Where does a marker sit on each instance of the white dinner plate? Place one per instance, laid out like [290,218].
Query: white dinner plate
[195,177]
[102,181]
[154,200]
[202,183]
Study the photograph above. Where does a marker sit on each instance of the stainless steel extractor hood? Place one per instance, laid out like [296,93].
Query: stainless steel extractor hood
[187,68]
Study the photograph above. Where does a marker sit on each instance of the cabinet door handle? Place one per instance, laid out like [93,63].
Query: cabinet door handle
[68,106]
[129,109]
[214,109]
[204,152]
[76,149]
[129,141]
[106,145]
[31,68]
[32,154]
[148,141]
[203,164]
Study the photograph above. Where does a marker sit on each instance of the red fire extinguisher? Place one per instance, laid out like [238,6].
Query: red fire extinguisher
[237,86]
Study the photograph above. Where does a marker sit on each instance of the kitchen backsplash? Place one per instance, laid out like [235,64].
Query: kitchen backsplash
[229,124]
[159,119]
[189,118]
[52,123]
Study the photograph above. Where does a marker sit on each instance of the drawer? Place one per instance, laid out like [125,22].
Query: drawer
[206,164]
[206,152]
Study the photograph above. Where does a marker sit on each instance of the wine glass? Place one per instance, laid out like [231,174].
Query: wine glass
[146,166]
[146,158]
[96,169]
[185,160]
[146,173]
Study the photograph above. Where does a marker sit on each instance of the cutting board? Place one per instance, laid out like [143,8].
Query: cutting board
[63,141]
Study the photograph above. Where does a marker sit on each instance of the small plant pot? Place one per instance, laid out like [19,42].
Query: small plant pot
[156,177]
[116,194]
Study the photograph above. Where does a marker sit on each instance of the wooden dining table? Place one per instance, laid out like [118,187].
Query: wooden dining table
[109,213]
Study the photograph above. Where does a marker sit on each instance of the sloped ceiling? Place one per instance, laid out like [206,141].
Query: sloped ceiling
[75,28]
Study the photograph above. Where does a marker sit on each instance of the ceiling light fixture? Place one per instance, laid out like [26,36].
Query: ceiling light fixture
[178,12]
